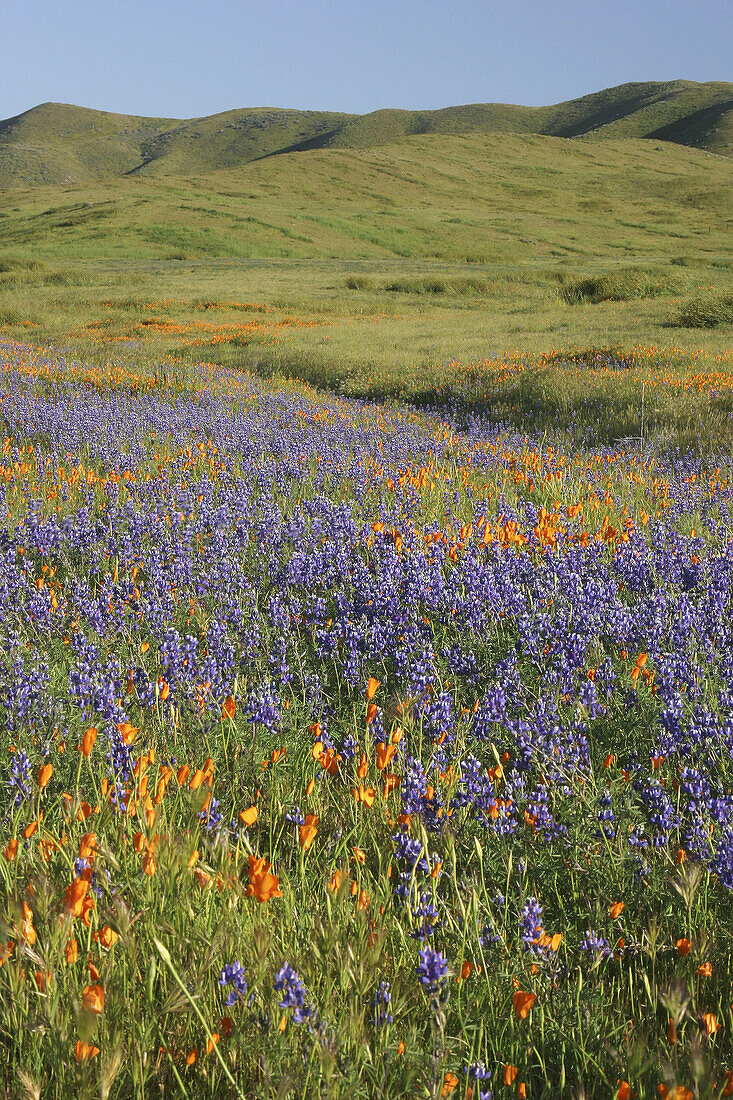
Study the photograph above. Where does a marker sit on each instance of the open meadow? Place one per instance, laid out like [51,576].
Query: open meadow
[366,626]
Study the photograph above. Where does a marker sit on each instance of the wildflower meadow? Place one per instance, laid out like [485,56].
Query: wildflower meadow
[357,748]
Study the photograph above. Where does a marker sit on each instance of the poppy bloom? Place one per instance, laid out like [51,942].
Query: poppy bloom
[72,951]
[262,884]
[616,909]
[384,755]
[308,831]
[449,1083]
[87,846]
[74,897]
[107,937]
[10,850]
[336,880]
[87,741]
[93,999]
[523,1003]
[510,1072]
[84,1051]
[684,946]
[363,794]
[705,970]
[28,932]
[249,816]
[371,690]
[229,708]
[44,774]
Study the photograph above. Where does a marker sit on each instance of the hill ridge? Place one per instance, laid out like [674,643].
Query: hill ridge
[58,143]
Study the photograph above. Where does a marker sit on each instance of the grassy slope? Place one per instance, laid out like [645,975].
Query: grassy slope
[58,143]
[530,213]
[496,199]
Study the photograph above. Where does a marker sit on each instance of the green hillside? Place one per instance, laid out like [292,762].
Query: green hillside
[62,144]
[500,198]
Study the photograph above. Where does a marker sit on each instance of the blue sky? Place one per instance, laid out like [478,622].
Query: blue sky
[182,58]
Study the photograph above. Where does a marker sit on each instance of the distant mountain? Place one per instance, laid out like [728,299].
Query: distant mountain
[58,143]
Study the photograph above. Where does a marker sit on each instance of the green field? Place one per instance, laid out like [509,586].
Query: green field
[366,593]
[400,257]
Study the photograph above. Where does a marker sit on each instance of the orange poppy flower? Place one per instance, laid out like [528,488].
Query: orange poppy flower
[262,884]
[87,741]
[28,932]
[84,1051]
[93,999]
[229,708]
[510,1072]
[385,754]
[329,760]
[705,970]
[616,909]
[449,1083]
[196,779]
[336,880]
[148,863]
[371,713]
[192,1056]
[107,937]
[371,690]
[248,817]
[363,794]
[74,896]
[10,850]
[684,946]
[523,1003]
[623,1092]
[711,1023]
[44,774]
[308,831]
[87,846]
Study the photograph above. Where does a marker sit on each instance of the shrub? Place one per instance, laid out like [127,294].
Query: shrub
[617,286]
[705,312]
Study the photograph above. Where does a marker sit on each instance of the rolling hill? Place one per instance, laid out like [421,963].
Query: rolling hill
[495,198]
[59,144]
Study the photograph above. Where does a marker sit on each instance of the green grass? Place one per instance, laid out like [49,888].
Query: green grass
[708,311]
[396,276]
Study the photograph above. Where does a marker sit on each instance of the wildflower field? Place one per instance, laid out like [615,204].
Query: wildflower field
[356,749]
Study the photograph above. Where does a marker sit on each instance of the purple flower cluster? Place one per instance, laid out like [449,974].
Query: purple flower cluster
[289,984]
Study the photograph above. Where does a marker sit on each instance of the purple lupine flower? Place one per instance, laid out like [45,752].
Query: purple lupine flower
[380,1003]
[233,974]
[287,981]
[432,969]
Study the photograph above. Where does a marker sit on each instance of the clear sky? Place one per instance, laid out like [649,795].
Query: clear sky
[183,58]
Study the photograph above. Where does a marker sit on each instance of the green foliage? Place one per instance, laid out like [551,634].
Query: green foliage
[708,311]
[618,286]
